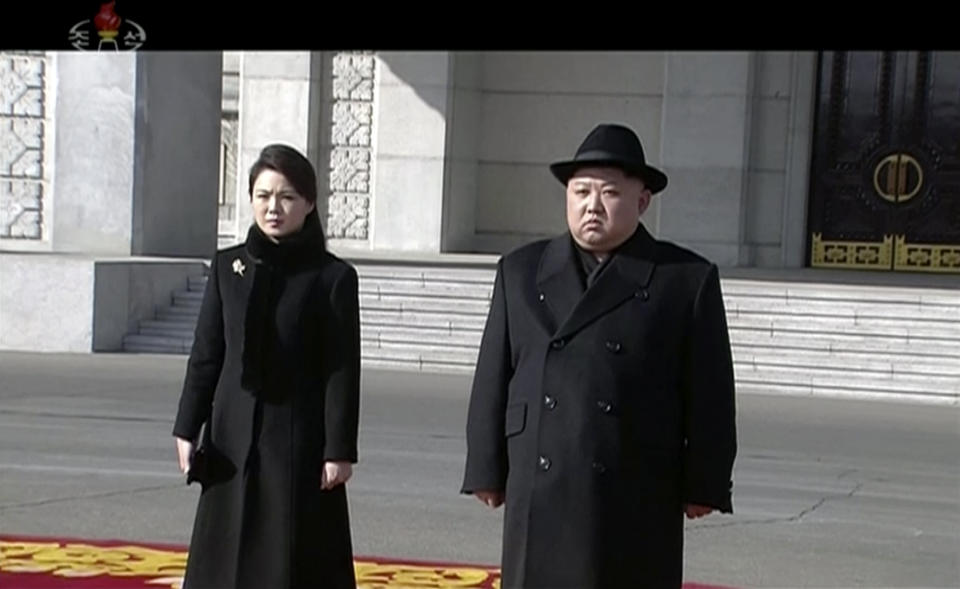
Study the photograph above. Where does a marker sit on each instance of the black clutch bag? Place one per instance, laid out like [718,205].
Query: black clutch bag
[209,466]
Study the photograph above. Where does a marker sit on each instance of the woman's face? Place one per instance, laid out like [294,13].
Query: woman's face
[277,207]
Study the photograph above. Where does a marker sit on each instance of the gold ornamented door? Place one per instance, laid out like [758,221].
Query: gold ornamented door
[885,183]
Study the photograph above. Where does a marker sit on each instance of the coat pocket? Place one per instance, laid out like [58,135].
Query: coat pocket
[515,419]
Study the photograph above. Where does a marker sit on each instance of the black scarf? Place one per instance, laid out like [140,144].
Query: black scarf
[289,252]
[274,261]
[588,266]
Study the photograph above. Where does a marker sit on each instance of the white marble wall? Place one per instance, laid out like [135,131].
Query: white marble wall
[280,101]
[462,141]
[796,185]
[536,108]
[176,154]
[126,153]
[462,166]
[76,303]
[433,152]
[412,106]
[731,129]
[94,158]
[46,303]
[130,168]
[705,151]
[775,220]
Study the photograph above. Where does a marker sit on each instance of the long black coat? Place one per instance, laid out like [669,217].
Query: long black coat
[601,413]
[278,387]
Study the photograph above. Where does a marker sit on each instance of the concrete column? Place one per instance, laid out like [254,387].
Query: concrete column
[705,142]
[137,151]
[94,157]
[411,147]
[177,154]
[280,101]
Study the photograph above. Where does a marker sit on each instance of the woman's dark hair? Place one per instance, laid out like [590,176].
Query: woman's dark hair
[292,164]
[300,173]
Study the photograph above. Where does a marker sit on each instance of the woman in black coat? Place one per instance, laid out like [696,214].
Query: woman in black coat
[273,383]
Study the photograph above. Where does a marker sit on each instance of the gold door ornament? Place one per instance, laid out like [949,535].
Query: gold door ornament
[852,254]
[892,179]
[894,252]
[925,257]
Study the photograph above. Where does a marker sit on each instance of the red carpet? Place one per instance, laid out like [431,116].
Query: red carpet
[61,563]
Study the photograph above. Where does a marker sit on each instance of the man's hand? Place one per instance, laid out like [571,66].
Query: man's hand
[493,499]
[694,511]
[335,473]
[185,454]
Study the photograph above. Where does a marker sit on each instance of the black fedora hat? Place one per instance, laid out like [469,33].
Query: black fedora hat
[616,146]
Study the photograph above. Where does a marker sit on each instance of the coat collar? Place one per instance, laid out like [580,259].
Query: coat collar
[292,252]
[570,307]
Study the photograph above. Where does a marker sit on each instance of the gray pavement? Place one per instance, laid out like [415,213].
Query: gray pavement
[828,493]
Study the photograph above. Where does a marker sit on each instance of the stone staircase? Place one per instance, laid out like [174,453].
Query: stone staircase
[813,338]
[171,331]
[428,319]
[831,339]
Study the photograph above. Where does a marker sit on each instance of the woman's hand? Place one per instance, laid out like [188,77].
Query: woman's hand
[695,511]
[185,453]
[335,473]
[492,499]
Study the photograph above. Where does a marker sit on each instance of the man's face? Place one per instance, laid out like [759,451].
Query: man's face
[604,207]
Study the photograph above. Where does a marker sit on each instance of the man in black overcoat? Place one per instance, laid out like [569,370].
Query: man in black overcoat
[602,407]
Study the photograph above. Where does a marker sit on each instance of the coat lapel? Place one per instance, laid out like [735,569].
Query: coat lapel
[627,277]
[558,282]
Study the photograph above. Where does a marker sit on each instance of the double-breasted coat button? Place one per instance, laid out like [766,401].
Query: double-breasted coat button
[642,294]
[557,344]
[599,467]
[544,463]
[541,297]
[613,346]
[605,406]
[549,402]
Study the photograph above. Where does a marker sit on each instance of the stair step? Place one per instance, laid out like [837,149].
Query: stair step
[170,323]
[178,313]
[811,377]
[827,308]
[424,304]
[187,297]
[420,365]
[899,328]
[156,342]
[450,354]
[428,285]
[839,292]
[427,319]
[167,331]
[146,349]
[863,363]
[846,342]
[183,308]
[786,388]
[418,335]
[452,273]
